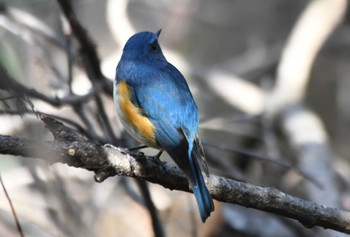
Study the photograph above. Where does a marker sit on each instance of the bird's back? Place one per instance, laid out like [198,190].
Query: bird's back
[157,108]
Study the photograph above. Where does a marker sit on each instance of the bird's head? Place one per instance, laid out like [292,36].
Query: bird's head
[143,45]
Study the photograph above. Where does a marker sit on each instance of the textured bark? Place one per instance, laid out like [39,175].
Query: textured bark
[70,148]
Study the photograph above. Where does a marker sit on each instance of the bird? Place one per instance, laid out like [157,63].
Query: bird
[156,107]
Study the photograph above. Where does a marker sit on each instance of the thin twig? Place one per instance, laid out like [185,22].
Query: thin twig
[91,63]
[261,157]
[19,228]
[156,223]
[9,83]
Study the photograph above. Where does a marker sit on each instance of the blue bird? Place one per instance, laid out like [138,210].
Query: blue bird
[156,107]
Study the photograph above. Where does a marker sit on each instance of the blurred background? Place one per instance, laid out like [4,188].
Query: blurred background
[259,104]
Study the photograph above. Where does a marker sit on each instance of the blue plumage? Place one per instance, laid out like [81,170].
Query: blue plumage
[156,107]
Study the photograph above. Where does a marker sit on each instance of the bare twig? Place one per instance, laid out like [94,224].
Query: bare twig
[264,158]
[87,46]
[9,83]
[91,63]
[157,226]
[19,228]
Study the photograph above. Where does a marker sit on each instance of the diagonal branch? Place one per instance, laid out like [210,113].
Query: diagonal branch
[10,84]
[88,51]
[91,62]
[70,148]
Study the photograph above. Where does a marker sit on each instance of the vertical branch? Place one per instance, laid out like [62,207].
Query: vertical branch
[68,33]
[157,226]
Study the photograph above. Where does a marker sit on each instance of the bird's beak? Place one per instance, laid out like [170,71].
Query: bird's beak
[158,33]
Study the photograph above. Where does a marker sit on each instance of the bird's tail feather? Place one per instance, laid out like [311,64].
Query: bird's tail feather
[203,197]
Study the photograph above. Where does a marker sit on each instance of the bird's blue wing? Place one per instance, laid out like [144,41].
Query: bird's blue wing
[153,94]
[168,103]
[166,100]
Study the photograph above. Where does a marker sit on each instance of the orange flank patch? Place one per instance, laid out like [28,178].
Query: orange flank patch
[141,124]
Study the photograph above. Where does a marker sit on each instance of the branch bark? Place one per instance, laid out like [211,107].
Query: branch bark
[70,148]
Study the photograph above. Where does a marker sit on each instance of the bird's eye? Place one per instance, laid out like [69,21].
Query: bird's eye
[154,46]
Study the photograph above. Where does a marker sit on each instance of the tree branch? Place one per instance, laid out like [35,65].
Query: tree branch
[9,83]
[88,51]
[70,148]
[91,62]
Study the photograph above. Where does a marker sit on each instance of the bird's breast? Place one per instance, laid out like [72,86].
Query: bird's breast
[132,117]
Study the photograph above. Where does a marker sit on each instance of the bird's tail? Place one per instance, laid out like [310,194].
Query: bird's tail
[203,197]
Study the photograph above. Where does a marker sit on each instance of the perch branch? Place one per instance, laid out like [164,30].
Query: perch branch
[70,148]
